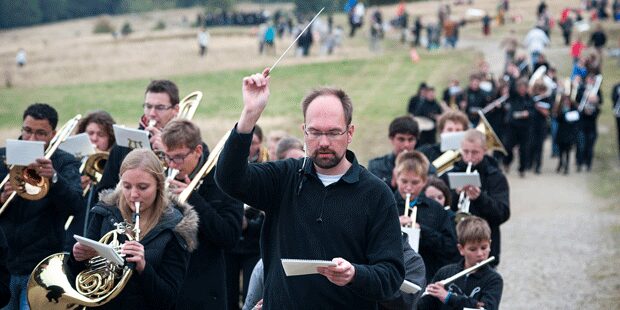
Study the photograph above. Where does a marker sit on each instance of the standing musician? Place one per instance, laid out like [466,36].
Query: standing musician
[98,126]
[403,134]
[588,116]
[490,201]
[161,105]
[167,234]
[430,109]
[325,206]
[35,229]
[220,217]
[437,241]
[450,121]
[480,289]
[540,114]
[475,98]
[519,125]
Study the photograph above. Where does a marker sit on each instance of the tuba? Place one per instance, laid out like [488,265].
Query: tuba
[49,285]
[27,182]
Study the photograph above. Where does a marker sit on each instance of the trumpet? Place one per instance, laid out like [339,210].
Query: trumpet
[464,272]
[464,202]
[27,182]
[93,168]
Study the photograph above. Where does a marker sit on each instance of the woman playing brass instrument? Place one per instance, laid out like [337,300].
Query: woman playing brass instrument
[167,234]
[98,126]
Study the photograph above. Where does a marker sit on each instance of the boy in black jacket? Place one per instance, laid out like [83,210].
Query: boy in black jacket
[481,288]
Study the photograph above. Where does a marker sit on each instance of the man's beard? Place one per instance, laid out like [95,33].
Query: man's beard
[328,162]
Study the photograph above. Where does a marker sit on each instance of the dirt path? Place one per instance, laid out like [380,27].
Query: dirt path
[557,247]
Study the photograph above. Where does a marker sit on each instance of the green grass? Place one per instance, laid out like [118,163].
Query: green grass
[379,87]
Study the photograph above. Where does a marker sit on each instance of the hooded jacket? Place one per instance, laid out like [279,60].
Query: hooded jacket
[167,250]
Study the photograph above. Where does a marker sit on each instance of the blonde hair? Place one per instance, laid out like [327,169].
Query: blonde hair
[475,136]
[413,161]
[148,162]
[473,229]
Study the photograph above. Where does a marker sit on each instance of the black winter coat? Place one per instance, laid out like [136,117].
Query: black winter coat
[493,204]
[167,250]
[567,131]
[5,277]
[35,229]
[219,229]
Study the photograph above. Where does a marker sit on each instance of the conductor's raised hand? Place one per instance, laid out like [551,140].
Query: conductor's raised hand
[341,274]
[255,95]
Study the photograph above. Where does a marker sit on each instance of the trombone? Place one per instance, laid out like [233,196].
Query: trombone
[27,182]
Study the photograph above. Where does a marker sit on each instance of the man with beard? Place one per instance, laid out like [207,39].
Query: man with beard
[491,200]
[323,207]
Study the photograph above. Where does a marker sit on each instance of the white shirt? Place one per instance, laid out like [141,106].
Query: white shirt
[329,179]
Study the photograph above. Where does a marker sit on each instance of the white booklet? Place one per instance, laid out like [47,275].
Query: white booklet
[131,138]
[409,287]
[104,250]
[451,140]
[413,236]
[78,145]
[23,153]
[298,267]
[460,179]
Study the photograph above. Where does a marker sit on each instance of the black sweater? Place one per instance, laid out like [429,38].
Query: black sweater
[437,237]
[485,285]
[493,204]
[219,229]
[35,229]
[354,218]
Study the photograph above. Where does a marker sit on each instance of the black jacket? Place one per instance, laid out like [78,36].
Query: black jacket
[219,229]
[437,236]
[354,218]
[485,285]
[5,277]
[167,250]
[493,204]
[382,168]
[476,100]
[431,151]
[112,170]
[567,131]
[35,229]
[518,104]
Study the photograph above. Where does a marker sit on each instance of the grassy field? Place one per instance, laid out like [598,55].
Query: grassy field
[380,88]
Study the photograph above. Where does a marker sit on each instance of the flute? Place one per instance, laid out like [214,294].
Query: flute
[464,272]
[136,221]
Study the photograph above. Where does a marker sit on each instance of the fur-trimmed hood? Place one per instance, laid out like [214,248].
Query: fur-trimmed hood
[186,228]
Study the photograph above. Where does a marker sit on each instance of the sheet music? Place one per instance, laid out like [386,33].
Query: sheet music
[451,140]
[104,250]
[298,267]
[23,153]
[78,145]
[413,236]
[460,179]
[132,138]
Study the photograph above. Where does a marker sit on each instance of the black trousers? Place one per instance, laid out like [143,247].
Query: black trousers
[586,139]
[237,264]
[539,133]
[518,136]
[563,163]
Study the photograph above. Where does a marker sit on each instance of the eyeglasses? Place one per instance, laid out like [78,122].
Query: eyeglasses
[331,135]
[27,131]
[158,108]
[178,159]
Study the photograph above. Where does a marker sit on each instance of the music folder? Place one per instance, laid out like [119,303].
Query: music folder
[298,267]
[23,153]
[104,250]
[413,236]
[78,145]
[409,287]
[131,138]
[451,140]
[460,179]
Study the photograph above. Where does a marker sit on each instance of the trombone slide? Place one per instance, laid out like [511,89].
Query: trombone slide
[464,272]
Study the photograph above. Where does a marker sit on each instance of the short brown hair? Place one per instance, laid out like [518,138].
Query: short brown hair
[475,136]
[179,133]
[164,86]
[453,116]
[347,105]
[413,161]
[404,125]
[104,120]
[286,144]
[472,229]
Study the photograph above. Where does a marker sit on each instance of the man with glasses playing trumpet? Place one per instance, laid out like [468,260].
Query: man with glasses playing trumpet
[220,216]
[161,105]
[35,228]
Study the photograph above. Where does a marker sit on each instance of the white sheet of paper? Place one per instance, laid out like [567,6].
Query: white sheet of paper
[409,287]
[132,138]
[298,267]
[451,140]
[23,153]
[571,116]
[104,250]
[78,145]
[460,179]
[413,236]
